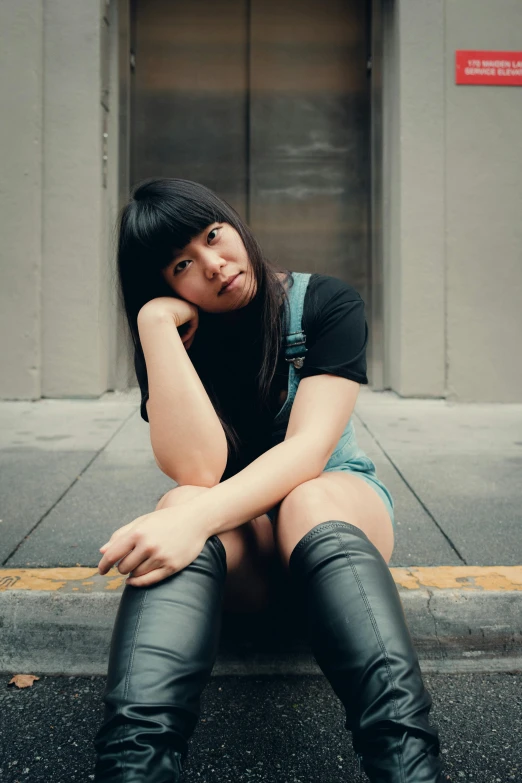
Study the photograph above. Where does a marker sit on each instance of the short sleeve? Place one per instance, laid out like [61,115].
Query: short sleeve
[141,375]
[336,331]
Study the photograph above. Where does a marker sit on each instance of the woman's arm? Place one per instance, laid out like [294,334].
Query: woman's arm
[187,438]
[166,541]
[320,412]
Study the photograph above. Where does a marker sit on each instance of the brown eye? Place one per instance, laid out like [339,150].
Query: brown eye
[177,269]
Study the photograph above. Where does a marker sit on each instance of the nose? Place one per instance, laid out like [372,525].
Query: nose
[212,263]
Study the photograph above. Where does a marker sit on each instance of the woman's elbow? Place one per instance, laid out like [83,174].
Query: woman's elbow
[199,480]
[201,476]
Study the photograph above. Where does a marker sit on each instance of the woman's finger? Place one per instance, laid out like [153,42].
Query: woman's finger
[149,579]
[138,564]
[117,533]
[188,337]
[120,547]
[188,343]
[145,566]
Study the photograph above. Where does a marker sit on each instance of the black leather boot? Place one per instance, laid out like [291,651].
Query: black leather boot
[358,634]
[164,645]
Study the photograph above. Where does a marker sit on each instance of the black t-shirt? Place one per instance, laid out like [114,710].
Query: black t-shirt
[336,336]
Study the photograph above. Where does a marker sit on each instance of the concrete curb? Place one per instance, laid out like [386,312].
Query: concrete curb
[59,621]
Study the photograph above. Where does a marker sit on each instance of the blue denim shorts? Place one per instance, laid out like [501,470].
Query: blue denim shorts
[360,467]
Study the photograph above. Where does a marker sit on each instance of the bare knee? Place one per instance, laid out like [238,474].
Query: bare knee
[180,494]
[333,497]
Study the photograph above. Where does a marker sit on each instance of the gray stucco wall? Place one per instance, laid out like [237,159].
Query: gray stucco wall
[452,204]
[413,140]
[75,282]
[21,37]
[121,359]
[57,295]
[483,194]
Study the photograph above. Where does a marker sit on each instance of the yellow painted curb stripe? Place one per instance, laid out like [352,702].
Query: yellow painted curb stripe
[88,580]
[64,579]
[495,578]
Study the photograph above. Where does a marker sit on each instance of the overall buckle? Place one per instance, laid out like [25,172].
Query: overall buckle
[297,362]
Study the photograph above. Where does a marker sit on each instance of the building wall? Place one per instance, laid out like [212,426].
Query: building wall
[452,204]
[56,304]
[414,209]
[121,359]
[75,284]
[21,92]
[451,200]
[483,197]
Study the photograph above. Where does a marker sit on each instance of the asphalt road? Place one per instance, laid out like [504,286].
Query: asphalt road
[277,729]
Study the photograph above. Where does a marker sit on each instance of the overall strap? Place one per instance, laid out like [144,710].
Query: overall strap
[295,341]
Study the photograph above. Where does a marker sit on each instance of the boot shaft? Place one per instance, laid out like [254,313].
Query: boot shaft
[358,633]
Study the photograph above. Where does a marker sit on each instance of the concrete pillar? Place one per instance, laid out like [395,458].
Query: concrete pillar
[122,374]
[484,209]
[21,40]
[413,197]
[76,278]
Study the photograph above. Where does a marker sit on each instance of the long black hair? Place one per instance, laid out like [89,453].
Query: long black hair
[161,218]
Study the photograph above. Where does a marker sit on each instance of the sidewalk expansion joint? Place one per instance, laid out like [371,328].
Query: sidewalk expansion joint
[64,493]
[413,492]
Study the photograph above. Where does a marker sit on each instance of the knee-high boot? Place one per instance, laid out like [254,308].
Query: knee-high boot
[164,645]
[358,634]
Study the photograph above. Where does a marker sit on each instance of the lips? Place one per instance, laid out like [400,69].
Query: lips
[230,280]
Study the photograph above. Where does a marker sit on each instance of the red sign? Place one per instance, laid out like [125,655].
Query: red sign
[488,68]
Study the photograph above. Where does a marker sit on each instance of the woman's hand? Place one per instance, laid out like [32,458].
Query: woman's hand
[182,313]
[154,546]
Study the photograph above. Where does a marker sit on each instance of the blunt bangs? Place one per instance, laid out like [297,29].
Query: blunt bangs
[165,215]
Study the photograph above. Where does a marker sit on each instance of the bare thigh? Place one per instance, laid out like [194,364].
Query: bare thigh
[251,556]
[334,495]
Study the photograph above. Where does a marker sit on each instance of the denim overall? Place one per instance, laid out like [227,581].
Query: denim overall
[347,456]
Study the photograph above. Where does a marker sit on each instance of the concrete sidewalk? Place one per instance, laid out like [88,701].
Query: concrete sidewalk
[73,471]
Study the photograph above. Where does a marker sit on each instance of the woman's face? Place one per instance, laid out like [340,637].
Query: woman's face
[209,261]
